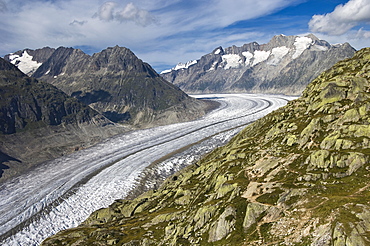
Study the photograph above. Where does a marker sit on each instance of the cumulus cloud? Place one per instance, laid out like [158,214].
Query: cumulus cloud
[342,19]
[106,11]
[109,11]
[133,13]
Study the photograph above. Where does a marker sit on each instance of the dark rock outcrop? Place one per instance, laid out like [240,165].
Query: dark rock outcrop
[29,103]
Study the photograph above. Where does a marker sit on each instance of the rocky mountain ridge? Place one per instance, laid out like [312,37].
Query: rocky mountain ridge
[27,60]
[115,83]
[299,176]
[284,65]
[39,122]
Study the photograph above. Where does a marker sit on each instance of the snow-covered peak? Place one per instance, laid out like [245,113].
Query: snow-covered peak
[180,65]
[301,44]
[24,62]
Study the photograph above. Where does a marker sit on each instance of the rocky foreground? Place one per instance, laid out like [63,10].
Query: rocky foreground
[299,176]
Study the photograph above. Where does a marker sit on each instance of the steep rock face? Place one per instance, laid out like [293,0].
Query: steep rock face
[27,102]
[299,176]
[119,85]
[39,122]
[284,65]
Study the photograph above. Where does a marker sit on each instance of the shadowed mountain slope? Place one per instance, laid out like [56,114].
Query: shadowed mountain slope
[39,122]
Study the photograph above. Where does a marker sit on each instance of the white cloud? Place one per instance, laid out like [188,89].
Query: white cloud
[362,34]
[342,19]
[139,16]
[130,13]
[106,11]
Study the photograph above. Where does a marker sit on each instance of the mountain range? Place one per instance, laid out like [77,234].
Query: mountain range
[114,82]
[298,176]
[285,65]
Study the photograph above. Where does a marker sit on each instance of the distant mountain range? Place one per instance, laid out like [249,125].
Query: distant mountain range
[285,65]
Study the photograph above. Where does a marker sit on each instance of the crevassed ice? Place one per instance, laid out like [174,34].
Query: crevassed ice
[24,62]
[301,44]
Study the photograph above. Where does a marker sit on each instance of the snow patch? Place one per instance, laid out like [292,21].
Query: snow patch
[180,65]
[166,71]
[301,44]
[278,53]
[320,47]
[232,61]
[218,51]
[213,66]
[24,62]
[260,56]
[248,57]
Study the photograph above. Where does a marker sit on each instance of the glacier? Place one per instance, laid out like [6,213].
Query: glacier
[64,192]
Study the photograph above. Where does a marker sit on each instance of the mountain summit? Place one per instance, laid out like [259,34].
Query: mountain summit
[114,82]
[285,65]
[299,176]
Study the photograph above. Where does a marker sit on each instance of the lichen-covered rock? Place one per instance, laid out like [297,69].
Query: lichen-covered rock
[223,226]
[254,211]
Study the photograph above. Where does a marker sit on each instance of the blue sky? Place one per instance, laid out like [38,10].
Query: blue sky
[165,32]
